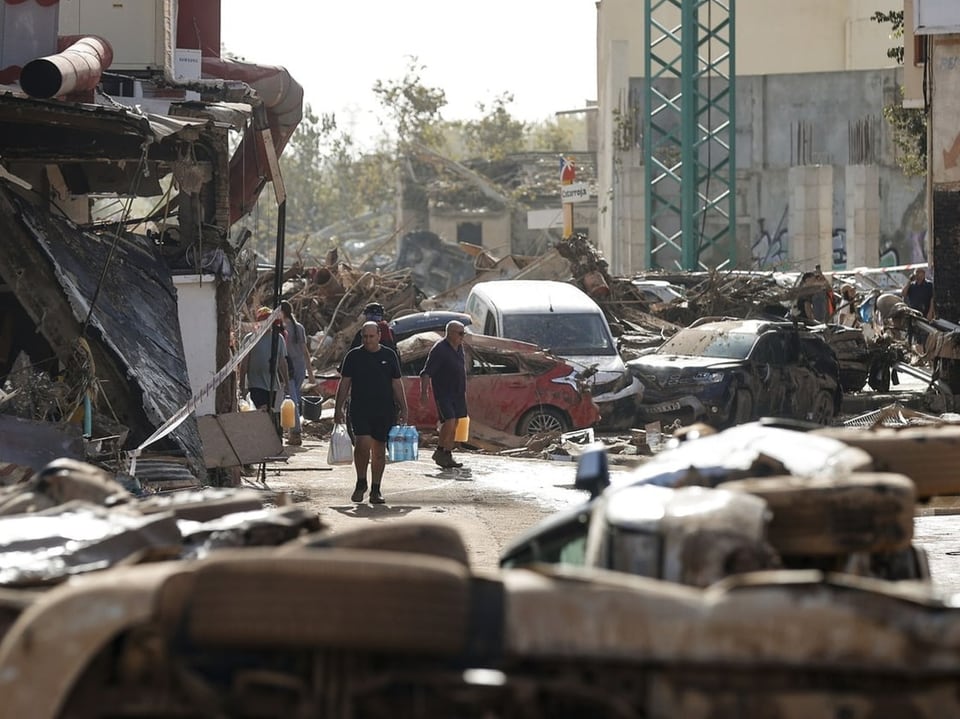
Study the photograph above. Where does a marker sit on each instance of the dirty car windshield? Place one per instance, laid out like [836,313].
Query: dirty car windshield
[695,342]
[564,335]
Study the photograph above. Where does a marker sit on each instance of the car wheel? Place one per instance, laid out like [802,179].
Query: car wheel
[543,419]
[823,408]
[742,407]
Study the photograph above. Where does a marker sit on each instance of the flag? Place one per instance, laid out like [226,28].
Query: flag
[568,173]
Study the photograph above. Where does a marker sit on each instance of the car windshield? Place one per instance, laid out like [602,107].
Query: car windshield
[698,342]
[566,335]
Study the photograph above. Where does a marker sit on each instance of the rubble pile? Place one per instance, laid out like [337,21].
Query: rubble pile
[328,300]
[73,518]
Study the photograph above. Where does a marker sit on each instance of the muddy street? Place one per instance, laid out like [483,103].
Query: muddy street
[491,500]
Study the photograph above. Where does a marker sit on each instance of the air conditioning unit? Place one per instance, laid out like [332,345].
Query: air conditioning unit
[135,29]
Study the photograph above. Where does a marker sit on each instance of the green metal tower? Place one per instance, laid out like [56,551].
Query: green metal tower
[689,123]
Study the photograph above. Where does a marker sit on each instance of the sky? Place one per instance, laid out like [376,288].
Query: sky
[541,51]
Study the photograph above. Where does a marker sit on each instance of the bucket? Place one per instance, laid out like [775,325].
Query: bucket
[311,407]
[463,430]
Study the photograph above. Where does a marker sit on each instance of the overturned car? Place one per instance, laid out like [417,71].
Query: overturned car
[725,371]
[754,497]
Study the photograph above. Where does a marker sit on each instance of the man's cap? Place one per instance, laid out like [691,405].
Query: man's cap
[373,308]
[263,313]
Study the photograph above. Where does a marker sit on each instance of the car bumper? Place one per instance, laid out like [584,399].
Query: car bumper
[635,388]
[685,410]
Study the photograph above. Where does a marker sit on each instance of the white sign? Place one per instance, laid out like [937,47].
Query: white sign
[577,192]
[536,219]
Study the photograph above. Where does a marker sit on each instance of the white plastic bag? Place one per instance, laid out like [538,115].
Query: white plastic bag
[341,448]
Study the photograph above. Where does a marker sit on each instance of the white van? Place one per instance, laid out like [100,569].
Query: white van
[561,318]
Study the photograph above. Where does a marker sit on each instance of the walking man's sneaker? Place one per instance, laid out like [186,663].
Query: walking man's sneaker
[358,492]
[376,497]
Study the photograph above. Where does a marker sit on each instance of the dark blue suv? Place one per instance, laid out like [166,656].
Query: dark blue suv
[726,371]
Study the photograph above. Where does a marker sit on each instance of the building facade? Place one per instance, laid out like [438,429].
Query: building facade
[817,178]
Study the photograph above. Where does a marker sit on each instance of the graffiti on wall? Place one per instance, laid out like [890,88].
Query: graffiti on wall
[769,251]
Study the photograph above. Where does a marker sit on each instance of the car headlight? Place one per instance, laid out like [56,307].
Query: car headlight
[708,377]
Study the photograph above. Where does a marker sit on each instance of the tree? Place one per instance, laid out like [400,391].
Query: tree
[327,181]
[412,107]
[551,135]
[496,134]
[338,191]
[909,125]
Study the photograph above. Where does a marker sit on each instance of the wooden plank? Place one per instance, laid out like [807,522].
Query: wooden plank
[238,438]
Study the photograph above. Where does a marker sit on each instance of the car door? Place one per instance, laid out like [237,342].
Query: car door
[768,361]
[498,391]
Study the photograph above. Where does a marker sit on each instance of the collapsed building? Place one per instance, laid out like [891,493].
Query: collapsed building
[119,186]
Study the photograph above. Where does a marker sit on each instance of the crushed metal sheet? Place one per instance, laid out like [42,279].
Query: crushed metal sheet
[135,318]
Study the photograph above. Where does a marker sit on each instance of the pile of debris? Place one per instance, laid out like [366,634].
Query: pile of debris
[72,518]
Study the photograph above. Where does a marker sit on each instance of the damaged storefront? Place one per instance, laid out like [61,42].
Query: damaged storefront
[99,208]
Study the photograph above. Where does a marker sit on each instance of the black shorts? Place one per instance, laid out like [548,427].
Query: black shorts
[376,426]
[260,397]
[451,408]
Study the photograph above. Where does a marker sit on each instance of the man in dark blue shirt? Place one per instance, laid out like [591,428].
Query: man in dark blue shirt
[370,376]
[918,293]
[447,373]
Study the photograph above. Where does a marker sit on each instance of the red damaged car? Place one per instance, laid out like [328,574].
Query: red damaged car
[512,387]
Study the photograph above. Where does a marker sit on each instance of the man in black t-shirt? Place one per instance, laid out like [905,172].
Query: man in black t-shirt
[370,377]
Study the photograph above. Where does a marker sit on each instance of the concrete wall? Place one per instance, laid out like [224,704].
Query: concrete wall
[791,58]
[831,119]
[772,36]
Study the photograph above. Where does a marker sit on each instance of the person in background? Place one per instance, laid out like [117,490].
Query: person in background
[447,375]
[848,313]
[374,312]
[370,377]
[824,302]
[255,367]
[815,301]
[804,306]
[298,357]
[918,293]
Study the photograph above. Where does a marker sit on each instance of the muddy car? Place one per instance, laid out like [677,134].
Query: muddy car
[727,371]
[750,498]
[512,387]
